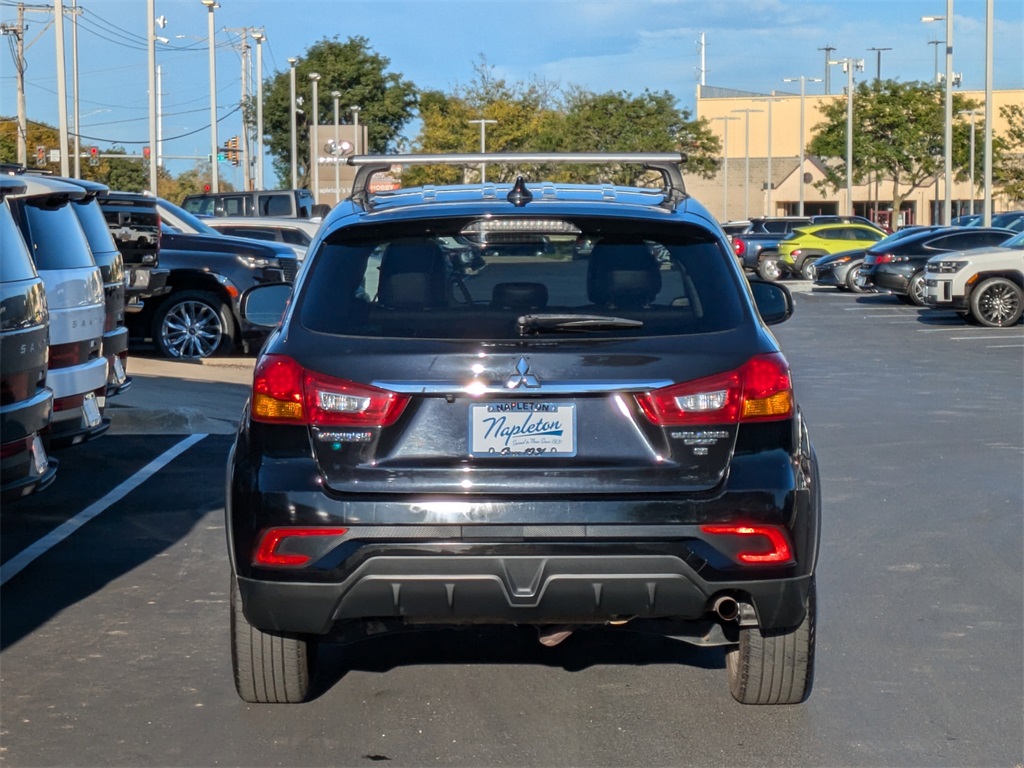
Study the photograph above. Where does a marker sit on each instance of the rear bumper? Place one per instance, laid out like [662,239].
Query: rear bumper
[518,583]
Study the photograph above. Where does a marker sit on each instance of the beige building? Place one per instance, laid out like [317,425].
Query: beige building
[740,189]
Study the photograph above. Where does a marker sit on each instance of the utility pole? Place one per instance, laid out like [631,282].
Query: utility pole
[74,86]
[291,112]
[803,86]
[848,66]
[878,64]
[242,46]
[62,86]
[211,6]
[18,30]
[259,36]
[151,74]
[828,77]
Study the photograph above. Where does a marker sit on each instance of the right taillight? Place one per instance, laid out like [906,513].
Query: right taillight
[286,393]
[739,246]
[884,258]
[759,390]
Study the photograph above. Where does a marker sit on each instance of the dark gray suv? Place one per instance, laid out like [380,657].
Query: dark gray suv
[607,441]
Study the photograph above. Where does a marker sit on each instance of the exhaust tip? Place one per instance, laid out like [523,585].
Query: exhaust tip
[726,608]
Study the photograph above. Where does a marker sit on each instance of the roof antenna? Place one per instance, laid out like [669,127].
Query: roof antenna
[519,194]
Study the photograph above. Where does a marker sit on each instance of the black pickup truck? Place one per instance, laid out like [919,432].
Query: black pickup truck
[757,248]
[207,272]
[135,224]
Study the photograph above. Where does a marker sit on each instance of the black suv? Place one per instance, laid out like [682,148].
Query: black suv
[609,441]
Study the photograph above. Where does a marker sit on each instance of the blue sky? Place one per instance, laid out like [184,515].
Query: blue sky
[602,45]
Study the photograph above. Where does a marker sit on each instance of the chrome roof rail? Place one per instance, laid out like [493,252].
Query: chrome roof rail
[666,163]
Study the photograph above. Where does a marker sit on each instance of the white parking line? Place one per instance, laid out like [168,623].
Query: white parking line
[16,564]
[1001,337]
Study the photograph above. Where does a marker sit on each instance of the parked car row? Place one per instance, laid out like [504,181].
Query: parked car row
[976,271]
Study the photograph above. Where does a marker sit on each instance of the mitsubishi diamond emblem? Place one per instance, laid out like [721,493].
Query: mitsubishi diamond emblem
[525,378]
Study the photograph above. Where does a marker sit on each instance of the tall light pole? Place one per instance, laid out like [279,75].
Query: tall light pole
[483,144]
[259,35]
[803,85]
[848,66]
[828,73]
[878,63]
[746,160]
[725,165]
[947,162]
[972,113]
[211,6]
[295,151]
[151,72]
[936,75]
[74,89]
[769,186]
[989,23]
[62,87]
[336,95]
[314,78]
[357,144]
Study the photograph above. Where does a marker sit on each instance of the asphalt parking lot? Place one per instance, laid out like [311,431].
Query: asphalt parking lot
[114,604]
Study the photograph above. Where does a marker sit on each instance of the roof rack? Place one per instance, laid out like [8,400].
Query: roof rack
[666,163]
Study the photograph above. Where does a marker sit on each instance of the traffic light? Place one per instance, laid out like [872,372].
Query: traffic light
[233,150]
[145,153]
[40,155]
[94,156]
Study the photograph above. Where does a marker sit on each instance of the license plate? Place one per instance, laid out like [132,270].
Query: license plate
[39,459]
[522,429]
[119,376]
[91,410]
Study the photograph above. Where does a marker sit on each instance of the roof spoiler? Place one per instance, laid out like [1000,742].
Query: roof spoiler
[666,163]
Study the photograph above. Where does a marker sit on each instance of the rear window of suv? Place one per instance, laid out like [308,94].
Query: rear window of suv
[641,278]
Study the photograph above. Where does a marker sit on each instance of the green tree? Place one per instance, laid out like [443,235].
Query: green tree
[898,136]
[386,100]
[1008,170]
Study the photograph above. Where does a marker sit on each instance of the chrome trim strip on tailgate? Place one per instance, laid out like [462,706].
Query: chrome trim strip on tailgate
[477,387]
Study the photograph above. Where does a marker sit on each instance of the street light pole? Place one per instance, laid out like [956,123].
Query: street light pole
[74,88]
[947,162]
[483,144]
[259,36]
[803,82]
[878,63]
[356,144]
[62,87]
[151,72]
[848,66]
[314,78]
[336,95]
[725,165]
[972,113]
[295,151]
[746,161]
[211,6]
[989,24]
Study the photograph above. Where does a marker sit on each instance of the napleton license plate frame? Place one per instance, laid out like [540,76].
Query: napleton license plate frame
[522,429]
[91,410]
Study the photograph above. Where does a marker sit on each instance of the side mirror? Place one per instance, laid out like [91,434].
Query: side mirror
[774,302]
[264,305]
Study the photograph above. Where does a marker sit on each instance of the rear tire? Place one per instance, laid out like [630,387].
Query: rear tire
[851,281]
[769,269]
[191,325]
[807,270]
[916,289]
[777,668]
[270,668]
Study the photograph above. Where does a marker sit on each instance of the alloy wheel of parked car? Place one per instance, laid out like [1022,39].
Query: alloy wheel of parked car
[193,325]
[768,269]
[997,302]
[916,289]
[851,281]
[807,270]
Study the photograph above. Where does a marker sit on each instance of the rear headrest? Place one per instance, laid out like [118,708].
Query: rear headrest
[413,275]
[519,296]
[623,275]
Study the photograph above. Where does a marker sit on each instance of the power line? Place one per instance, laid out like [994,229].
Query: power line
[206,127]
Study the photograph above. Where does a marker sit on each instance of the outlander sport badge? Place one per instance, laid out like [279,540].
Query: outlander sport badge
[525,378]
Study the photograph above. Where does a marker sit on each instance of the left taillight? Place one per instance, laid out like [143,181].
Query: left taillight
[293,546]
[754,544]
[286,393]
[759,390]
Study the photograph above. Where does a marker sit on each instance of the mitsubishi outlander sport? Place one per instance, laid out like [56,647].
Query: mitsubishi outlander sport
[609,441]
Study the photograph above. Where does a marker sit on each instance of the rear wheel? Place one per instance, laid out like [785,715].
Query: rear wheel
[193,325]
[768,269]
[776,668]
[270,668]
[916,289]
[851,280]
[807,269]
[997,302]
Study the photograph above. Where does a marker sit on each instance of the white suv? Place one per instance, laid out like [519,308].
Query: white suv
[985,284]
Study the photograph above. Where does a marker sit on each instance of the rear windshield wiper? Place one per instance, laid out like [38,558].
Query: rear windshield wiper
[572,322]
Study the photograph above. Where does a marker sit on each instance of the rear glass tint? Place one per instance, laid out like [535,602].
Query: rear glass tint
[54,235]
[414,282]
[15,263]
[90,216]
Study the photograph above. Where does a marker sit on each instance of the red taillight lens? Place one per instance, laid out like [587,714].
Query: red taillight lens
[17,387]
[883,258]
[268,551]
[762,544]
[68,355]
[15,447]
[739,246]
[286,393]
[759,390]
